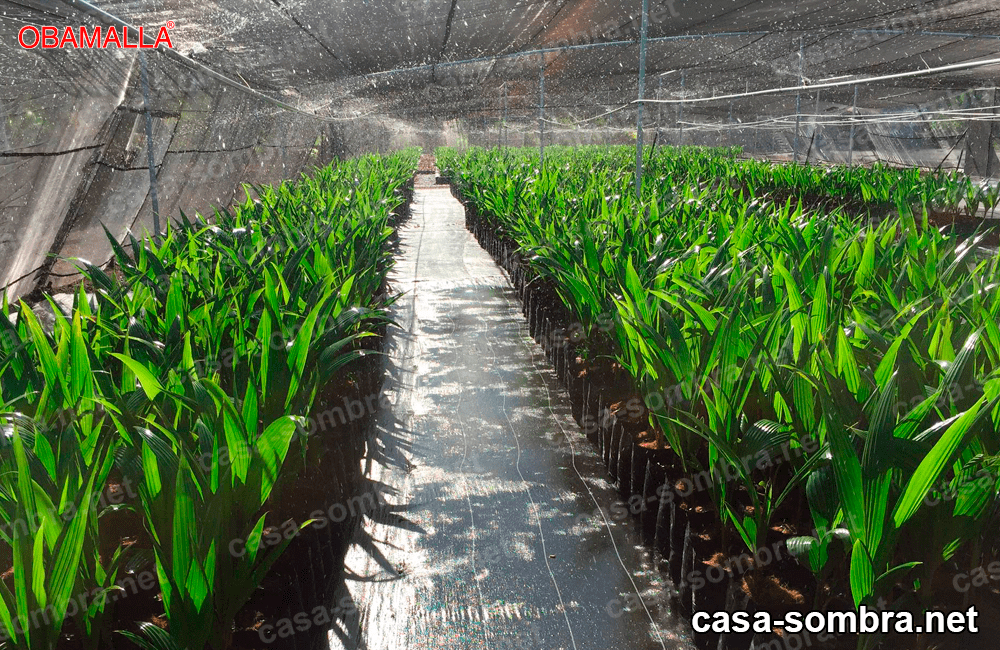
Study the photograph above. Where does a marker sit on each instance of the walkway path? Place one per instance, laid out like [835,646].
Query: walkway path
[508,548]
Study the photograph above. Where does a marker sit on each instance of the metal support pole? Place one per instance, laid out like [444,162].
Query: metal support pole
[730,123]
[541,108]
[854,116]
[504,125]
[659,109]
[151,155]
[642,95]
[816,123]
[680,107]
[798,99]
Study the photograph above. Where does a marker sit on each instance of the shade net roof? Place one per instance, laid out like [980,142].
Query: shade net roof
[255,91]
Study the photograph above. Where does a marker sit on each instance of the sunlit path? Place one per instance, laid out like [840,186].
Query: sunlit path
[510,554]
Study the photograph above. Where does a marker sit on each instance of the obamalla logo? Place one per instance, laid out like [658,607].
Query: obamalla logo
[96,38]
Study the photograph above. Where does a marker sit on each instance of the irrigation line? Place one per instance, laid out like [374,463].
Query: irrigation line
[549,104]
[972,112]
[968,65]
[573,455]
[967,115]
[784,125]
[900,32]
[781,123]
[589,119]
[346,119]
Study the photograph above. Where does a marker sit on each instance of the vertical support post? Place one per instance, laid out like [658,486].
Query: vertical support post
[815,122]
[541,108]
[991,170]
[644,33]
[854,116]
[680,107]
[151,155]
[499,128]
[504,125]
[798,99]
[730,122]
[659,107]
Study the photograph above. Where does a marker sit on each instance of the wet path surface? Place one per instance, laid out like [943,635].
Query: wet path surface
[507,547]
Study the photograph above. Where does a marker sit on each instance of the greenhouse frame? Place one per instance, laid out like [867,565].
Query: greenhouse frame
[400,324]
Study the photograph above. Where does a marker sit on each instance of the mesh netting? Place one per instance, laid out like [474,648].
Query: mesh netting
[256,92]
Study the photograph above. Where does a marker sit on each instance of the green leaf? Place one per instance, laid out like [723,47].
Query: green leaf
[70,546]
[862,573]
[81,383]
[819,313]
[847,471]
[150,471]
[273,446]
[46,355]
[150,384]
[153,638]
[939,458]
[301,348]
[847,365]
[183,546]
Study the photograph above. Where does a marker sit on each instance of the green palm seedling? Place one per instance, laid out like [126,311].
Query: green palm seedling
[204,509]
[132,380]
[882,467]
[67,434]
[50,529]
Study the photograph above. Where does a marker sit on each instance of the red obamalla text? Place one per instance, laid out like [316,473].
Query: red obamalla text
[94,38]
